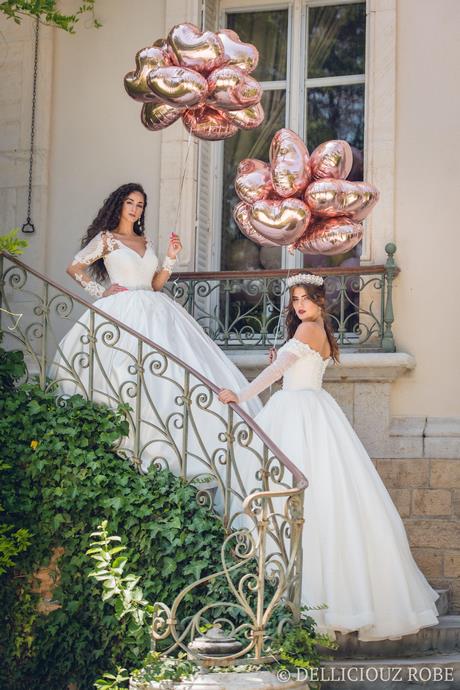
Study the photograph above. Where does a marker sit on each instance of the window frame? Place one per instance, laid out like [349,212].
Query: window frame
[379,122]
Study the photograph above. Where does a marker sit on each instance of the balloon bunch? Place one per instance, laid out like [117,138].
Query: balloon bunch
[202,77]
[302,200]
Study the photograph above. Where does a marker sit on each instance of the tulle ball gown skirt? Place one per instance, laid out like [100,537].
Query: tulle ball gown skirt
[110,365]
[356,556]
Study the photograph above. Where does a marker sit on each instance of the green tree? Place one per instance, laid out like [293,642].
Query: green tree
[47,12]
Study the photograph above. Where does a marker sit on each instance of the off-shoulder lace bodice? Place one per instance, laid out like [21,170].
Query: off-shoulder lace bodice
[301,368]
[308,369]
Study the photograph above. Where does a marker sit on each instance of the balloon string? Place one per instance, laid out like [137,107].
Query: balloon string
[280,315]
[182,180]
[278,325]
[179,200]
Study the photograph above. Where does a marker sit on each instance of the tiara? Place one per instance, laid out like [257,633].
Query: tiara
[304,279]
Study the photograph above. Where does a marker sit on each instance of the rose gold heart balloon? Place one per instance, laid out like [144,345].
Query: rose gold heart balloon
[178,86]
[147,59]
[253,180]
[330,236]
[242,55]
[192,48]
[289,163]
[282,221]
[232,89]
[331,159]
[156,116]
[329,197]
[163,44]
[248,118]
[241,215]
[207,123]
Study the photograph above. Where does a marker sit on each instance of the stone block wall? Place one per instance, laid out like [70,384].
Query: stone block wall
[426,492]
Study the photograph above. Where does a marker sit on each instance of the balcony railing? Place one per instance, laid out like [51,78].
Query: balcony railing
[262,515]
[245,309]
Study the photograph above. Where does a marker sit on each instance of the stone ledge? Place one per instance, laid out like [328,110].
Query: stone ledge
[354,366]
[260,680]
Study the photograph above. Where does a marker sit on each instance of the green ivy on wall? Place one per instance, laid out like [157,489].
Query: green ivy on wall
[63,478]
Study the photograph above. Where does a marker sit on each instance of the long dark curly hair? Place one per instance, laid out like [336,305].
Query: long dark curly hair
[317,294]
[108,218]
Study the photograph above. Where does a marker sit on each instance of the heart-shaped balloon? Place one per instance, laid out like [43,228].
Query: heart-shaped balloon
[207,123]
[329,198]
[136,84]
[242,55]
[195,49]
[253,180]
[281,221]
[232,89]
[289,163]
[242,219]
[178,86]
[331,159]
[156,116]
[163,44]
[330,236]
[248,118]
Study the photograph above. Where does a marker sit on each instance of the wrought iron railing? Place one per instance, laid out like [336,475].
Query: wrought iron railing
[245,309]
[176,421]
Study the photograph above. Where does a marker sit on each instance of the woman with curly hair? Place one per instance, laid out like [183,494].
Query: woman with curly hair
[103,361]
[356,556]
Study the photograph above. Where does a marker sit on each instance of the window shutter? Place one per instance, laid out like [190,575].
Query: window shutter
[205,171]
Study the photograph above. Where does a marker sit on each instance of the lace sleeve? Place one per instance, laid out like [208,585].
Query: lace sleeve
[94,250]
[272,373]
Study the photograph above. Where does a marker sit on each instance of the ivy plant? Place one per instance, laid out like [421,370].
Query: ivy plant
[63,477]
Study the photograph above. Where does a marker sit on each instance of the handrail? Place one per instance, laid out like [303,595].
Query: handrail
[373,269]
[263,525]
[297,474]
[239,309]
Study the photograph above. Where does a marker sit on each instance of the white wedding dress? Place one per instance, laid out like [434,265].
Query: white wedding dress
[101,358]
[356,556]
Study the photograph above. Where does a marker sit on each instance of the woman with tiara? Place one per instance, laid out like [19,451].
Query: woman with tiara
[356,556]
[117,264]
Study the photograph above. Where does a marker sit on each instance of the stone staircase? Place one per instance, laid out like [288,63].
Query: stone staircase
[429,660]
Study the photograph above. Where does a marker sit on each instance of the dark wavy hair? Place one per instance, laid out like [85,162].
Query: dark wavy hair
[108,217]
[317,294]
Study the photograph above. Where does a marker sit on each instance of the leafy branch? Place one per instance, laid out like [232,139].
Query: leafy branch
[47,12]
[111,682]
[10,243]
[129,598]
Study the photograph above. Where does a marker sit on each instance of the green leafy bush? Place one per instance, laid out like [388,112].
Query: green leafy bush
[11,243]
[63,478]
[12,541]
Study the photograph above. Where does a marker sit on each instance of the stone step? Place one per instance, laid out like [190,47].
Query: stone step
[440,672]
[443,602]
[436,639]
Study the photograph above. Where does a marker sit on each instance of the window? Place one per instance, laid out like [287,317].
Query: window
[268,30]
[312,69]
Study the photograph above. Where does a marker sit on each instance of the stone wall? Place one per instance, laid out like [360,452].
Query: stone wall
[426,492]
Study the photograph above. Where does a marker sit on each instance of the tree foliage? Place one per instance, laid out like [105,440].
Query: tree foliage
[47,11]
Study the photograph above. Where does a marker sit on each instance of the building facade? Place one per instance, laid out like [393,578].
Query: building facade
[390,91]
